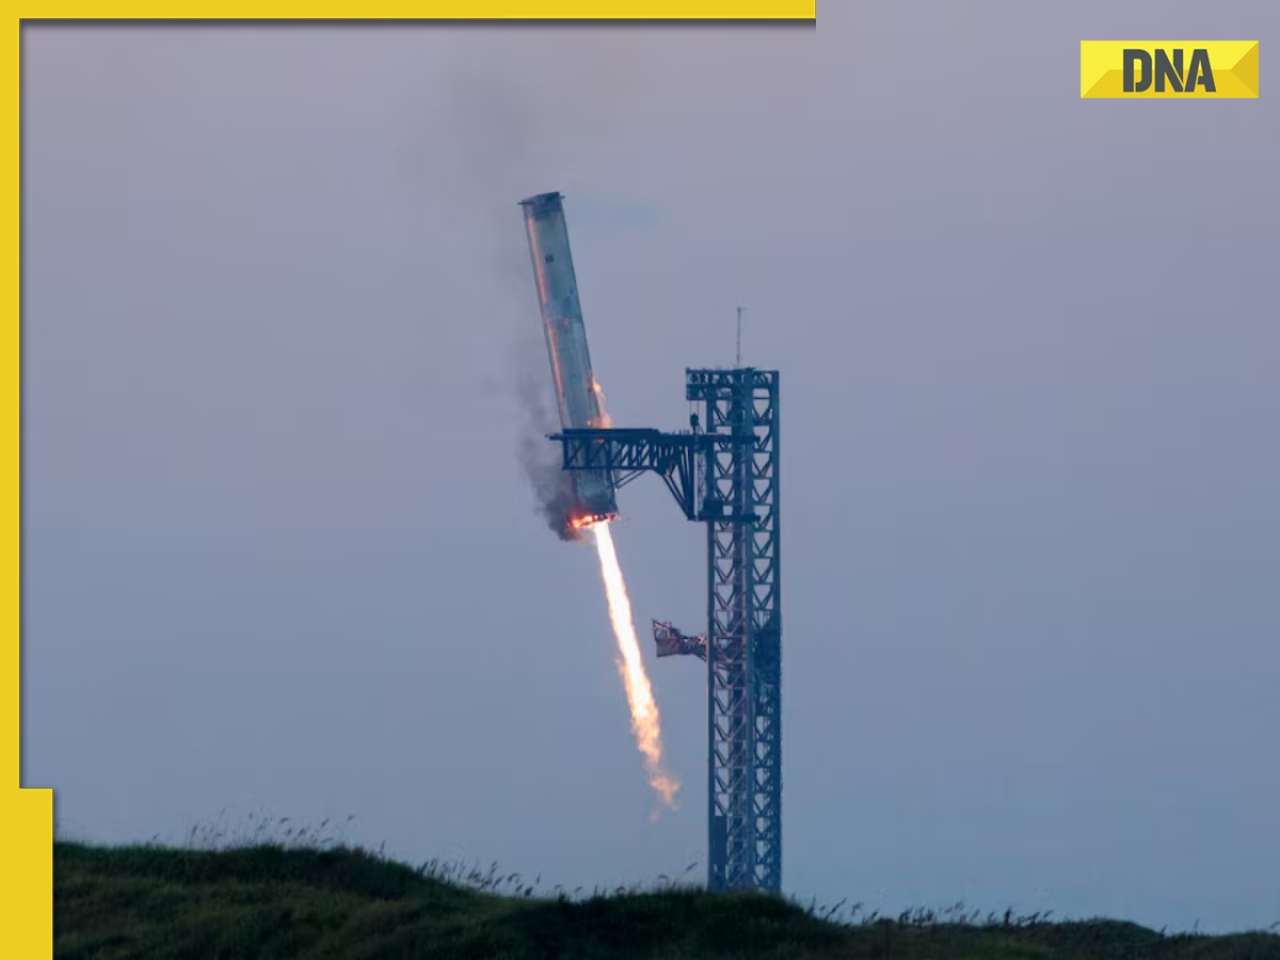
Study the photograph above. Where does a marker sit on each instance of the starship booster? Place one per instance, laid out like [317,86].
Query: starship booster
[577,392]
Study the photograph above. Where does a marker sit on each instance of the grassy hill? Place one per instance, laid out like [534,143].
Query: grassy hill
[268,901]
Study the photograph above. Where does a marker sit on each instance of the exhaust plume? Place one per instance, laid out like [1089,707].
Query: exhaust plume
[646,724]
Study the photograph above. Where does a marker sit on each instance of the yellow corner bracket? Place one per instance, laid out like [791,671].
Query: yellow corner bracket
[26,815]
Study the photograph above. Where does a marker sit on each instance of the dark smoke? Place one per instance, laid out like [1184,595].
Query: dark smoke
[496,165]
[552,487]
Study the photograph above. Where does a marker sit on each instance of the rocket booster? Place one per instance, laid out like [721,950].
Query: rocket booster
[577,393]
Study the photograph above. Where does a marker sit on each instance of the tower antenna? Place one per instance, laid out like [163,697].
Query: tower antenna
[740,312]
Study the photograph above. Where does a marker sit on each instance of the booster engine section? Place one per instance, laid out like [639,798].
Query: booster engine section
[578,394]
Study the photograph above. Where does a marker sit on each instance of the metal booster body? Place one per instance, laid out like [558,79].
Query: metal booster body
[577,393]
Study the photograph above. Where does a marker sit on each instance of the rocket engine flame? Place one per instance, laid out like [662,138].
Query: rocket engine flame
[646,724]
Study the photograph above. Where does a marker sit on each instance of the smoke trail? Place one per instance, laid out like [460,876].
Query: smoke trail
[552,487]
[553,490]
[646,724]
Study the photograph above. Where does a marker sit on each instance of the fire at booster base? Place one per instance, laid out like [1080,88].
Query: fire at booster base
[577,392]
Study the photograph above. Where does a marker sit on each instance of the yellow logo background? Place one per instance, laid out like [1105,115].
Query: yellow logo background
[1234,64]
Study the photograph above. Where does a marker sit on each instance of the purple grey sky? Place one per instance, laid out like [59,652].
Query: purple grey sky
[280,556]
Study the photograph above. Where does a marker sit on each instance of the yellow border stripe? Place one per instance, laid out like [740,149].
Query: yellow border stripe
[441,10]
[26,816]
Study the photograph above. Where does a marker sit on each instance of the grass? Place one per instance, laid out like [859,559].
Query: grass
[274,900]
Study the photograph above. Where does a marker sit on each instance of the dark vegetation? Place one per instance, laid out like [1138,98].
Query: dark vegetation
[285,901]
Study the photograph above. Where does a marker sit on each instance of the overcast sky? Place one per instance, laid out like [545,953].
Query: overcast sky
[280,556]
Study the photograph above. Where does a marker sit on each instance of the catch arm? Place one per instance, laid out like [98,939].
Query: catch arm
[626,453]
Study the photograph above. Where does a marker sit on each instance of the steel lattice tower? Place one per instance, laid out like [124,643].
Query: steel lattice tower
[725,473]
[744,628]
